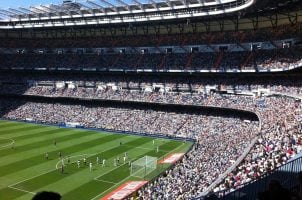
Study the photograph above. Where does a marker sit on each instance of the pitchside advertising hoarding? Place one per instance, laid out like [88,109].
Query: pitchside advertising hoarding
[124,190]
[171,159]
[131,187]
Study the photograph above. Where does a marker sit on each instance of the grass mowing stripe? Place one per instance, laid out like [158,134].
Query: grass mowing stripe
[23,164]
[38,143]
[170,145]
[40,133]
[18,125]
[127,146]
[14,124]
[51,149]
[116,175]
[9,193]
[20,129]
[76,183]
[25,133]
[48,178]
[149,176]
[19,122]
[46,131]
[43,179]
[11,124]
[4,121]
[9,155]
[4,141]
[90,189]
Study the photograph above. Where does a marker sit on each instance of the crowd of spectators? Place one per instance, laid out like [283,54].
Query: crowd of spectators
[273,59]
[220,141]
[216,149]
[228,60]
[175,39]
[111,87]
[279,139]
[121,119]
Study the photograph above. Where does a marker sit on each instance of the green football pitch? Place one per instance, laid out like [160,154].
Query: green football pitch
[24,169]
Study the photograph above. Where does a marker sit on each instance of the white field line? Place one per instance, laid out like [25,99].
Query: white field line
[129,176]
[22,190]
[114,168]
[48,171]
[11,142]
[104,181]
[31,177]
[81,155]
[128,160]
[144,148]
[115,184]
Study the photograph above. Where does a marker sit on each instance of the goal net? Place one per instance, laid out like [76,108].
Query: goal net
[143,166]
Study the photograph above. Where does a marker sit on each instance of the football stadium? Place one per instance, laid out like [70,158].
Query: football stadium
[151,100]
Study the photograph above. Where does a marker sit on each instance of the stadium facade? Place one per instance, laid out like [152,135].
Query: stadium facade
[147,60]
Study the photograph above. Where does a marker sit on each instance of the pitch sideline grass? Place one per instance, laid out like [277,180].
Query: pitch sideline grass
[25,170]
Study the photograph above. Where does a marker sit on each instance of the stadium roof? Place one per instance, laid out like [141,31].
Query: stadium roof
[72,13]
[114,11]
[71,7]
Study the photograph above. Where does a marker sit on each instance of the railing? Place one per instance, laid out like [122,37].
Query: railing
[286,175]
[238,161]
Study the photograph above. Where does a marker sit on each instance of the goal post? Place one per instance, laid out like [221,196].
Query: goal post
[143,166]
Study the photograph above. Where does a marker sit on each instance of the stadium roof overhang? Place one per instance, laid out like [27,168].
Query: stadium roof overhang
[96,12]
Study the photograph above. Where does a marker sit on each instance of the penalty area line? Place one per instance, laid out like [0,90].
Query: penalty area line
[117,184]
[52,170]
[101,180]
[144,148]
[15,188]
[66,157]
[32,177]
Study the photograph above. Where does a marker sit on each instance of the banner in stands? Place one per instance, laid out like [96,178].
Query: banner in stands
[124,190]
[173,158]
[72,124]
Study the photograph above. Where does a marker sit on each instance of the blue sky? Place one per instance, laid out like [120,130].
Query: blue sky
[4,4]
